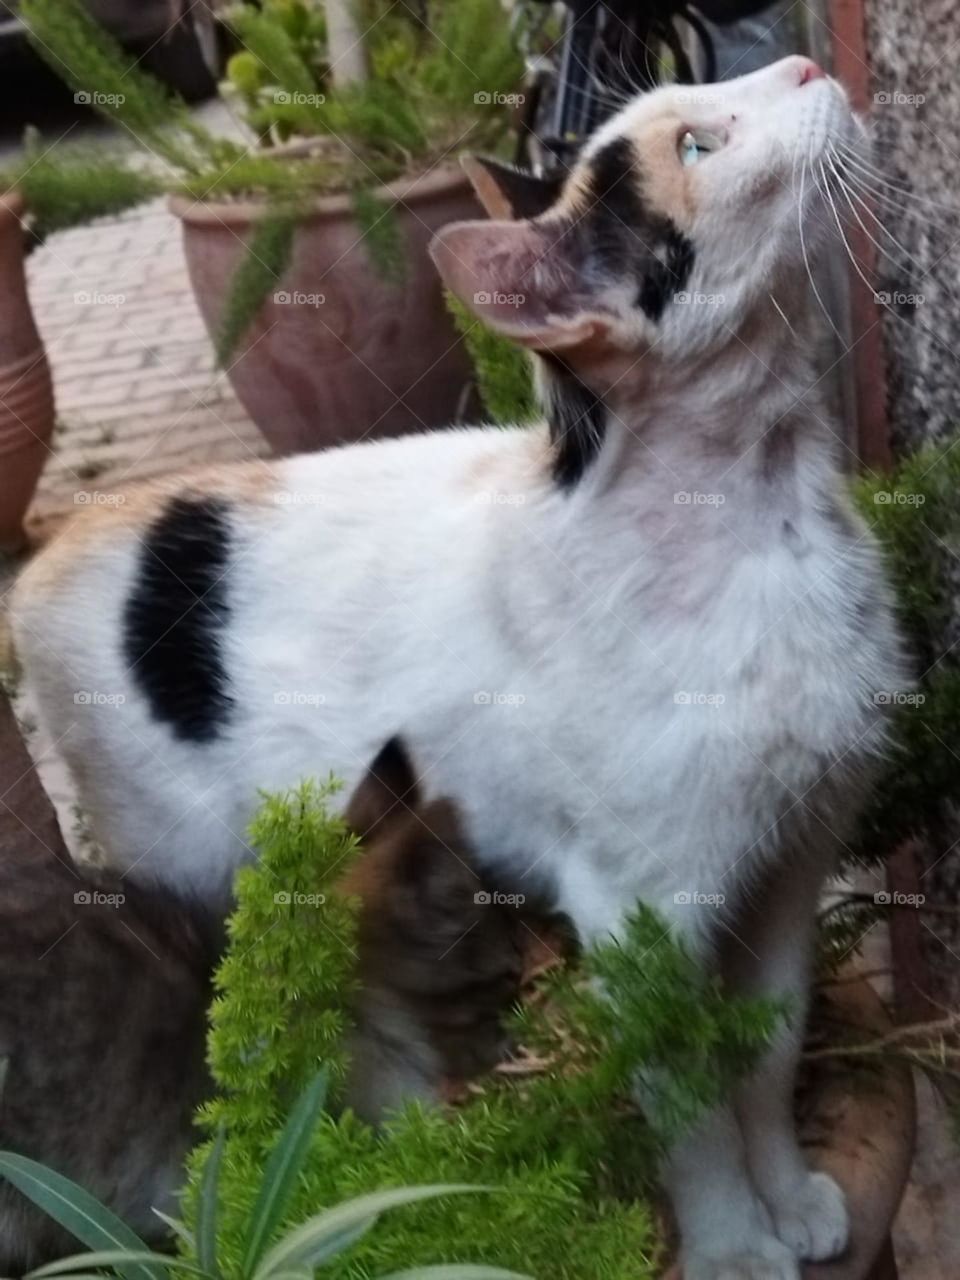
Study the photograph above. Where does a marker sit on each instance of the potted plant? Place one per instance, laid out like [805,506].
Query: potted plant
[26,391]
[307,249]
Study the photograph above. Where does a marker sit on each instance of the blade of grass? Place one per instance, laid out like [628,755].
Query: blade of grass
[283,1169]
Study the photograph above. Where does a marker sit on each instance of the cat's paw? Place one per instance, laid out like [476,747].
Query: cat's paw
[813,1221]
[766,1258]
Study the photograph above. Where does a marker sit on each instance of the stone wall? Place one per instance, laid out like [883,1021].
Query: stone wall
[913,49]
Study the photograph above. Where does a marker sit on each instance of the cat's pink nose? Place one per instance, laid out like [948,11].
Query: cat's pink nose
[810,70]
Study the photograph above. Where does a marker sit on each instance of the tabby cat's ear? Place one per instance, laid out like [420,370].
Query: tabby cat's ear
[387,793]
[526,280]
[506,192]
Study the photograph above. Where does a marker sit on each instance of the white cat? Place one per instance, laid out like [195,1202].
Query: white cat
[652,630]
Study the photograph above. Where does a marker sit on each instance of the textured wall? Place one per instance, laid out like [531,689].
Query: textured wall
[914,54]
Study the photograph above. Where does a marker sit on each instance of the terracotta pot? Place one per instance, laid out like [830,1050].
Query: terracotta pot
[349,355]
[26,392]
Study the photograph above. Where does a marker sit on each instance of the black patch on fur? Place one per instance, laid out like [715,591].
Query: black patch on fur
[175,615]
[578,422]
[628,236]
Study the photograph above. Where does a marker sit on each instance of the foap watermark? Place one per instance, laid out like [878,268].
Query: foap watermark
[94,898]
[896,98]
[898,698]
[696,698]
[494,898]
[698,97]
[293,98]
[497,99]
[899,298]
[94,498]
[93,98]
[498,299]
[697,499]
[298,498]
[887,899]
[94,698]
[298,698]
[497,498]
[297,298]
[95,298]
[685,298]
[898,498]
[693,898]
[486,698]
[295,898]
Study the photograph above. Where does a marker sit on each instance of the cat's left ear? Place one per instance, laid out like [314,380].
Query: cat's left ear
[526,280]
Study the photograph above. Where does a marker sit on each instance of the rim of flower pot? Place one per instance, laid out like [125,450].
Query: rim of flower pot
[408,190]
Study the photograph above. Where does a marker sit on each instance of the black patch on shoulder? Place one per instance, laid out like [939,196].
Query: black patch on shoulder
[175,615]
[578,421]
[628,236]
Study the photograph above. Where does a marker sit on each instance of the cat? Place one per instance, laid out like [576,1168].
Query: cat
[103,1006]
[442,954]
[641,643]
[106,987]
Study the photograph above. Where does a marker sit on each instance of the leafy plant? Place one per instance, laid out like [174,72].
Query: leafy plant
[68,186]
[503,370]
[115,1249]
[565,1147]
[438,83]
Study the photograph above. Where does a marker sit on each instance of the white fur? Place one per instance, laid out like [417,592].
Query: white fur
[401,581]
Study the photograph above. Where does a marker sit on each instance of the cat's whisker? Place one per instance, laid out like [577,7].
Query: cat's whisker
[806,259]
[850,195]
[884,199]
[852,256]
[855,160]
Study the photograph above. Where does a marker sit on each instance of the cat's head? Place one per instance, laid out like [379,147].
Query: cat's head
[682,213]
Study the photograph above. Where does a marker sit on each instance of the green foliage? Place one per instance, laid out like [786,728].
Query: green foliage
[82,53]
[915,514]
[68,186]
[503,371]
[382,237]
[268,255]
[568,1154]
[436,83]
[116,1250]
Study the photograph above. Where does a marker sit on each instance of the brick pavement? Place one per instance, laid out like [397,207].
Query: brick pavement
[137,391]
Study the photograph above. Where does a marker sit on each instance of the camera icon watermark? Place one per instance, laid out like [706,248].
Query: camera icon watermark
[295,898]
[94,898]
[94,698]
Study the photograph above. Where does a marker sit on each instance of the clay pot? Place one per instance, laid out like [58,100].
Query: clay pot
[26,392]
[338,353]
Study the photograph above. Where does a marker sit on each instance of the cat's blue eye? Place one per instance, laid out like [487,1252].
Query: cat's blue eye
[689,151]
[693,146]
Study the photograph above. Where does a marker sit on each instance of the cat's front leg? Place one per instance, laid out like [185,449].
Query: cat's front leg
[771,955]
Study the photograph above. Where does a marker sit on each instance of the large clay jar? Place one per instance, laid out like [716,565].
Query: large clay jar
[26,392]
[337,352]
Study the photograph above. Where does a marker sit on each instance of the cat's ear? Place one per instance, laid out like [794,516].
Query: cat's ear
[387,793]
[506,192]
[523,279]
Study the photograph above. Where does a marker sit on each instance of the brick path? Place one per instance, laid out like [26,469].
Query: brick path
[137,392]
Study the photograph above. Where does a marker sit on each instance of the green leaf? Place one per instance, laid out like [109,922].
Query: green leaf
[322,1236]
[283,1169]
[207,1207]
[179,1229]
[455,1271]
[114,1258]
[75,1209]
